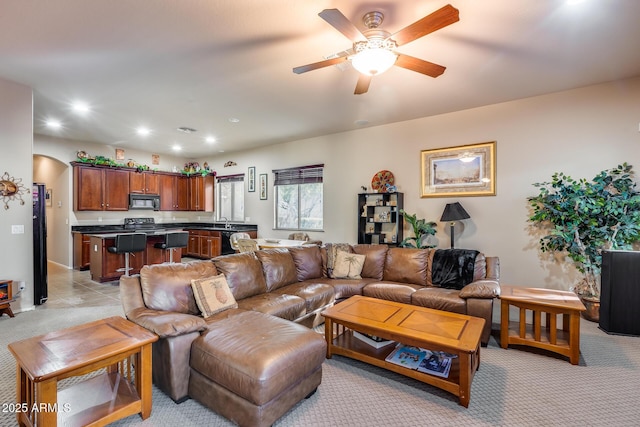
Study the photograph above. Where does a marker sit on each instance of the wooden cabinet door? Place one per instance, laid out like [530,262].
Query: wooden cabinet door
[165,184]
[193,246]
[88,188]
[196,186]
[181,194]
[151,183]
[136,182]
[116,190]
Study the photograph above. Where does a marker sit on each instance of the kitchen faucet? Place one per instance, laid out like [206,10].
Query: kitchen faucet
[226,222]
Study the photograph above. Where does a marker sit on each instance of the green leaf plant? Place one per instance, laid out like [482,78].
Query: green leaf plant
[582,218]
[420,228]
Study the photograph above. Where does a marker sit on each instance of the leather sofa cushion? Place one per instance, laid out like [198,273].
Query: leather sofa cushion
[308,261]
[263,360]
[345,288]
[278,267]
[440,299]
[480,267]
[167,287]
[289,307]
[407,265]
[244,274]
[374,262]
[166,324]
[315,295]
[399,292]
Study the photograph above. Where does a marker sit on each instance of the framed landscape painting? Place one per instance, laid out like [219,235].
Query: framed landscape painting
[467,170]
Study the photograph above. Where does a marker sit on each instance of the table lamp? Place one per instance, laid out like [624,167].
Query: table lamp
[453,212]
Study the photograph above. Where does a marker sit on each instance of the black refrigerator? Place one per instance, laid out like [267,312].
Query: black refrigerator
[39,244]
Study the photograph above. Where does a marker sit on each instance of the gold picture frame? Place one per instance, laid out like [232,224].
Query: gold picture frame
[466,170]
[119,154]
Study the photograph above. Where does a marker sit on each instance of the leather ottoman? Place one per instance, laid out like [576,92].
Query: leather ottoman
[252,368]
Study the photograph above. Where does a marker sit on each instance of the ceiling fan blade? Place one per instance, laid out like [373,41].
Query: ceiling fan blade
[337,20]
[419,65]
[363,84]
[327,62]
[442,17]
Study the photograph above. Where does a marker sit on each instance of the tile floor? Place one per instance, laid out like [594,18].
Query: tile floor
[74,288]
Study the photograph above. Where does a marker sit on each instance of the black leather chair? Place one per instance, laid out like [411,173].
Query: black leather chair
[173,241]
[127,244]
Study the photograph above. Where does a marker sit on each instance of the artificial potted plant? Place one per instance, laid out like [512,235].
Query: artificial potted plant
[584,217]
[421,228]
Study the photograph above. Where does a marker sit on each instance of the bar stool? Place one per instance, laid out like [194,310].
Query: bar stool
[173,241]
[127,244]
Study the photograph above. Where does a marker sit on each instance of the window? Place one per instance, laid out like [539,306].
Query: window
[298,198]
[230,198]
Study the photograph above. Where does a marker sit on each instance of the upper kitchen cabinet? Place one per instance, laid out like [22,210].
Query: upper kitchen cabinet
[144,183]
[201,192]
[174,192]
[100,189]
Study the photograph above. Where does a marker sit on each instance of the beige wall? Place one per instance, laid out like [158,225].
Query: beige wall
[16,142]
[579,132]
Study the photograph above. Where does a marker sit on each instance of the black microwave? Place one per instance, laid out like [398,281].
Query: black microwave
[144,201]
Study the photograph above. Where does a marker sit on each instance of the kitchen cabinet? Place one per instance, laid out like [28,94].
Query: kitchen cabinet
[143,183]
[204,244]
[174,193]
[201,193]
[81,251]
[104,264]
[100,188]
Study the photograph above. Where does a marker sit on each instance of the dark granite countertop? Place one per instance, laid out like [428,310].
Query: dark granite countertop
[105,229]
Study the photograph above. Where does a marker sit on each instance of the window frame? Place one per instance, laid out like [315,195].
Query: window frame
[298,176]
[221,180]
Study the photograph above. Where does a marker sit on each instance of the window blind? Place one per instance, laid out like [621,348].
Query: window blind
[231,178]
[299,175]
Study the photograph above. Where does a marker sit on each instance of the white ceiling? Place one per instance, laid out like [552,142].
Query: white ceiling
[196,63]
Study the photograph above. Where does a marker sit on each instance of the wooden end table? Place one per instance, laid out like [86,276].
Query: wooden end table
[565,341]
[411,325]
[123,389]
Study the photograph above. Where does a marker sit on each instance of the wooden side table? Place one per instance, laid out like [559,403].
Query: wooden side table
[565,341]
[6,297]
[124,388]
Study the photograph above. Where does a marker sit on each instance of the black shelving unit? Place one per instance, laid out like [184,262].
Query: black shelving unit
[379,218]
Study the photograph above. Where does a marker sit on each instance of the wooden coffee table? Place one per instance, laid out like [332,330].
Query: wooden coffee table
[411,325]
[124,389]
[565,341]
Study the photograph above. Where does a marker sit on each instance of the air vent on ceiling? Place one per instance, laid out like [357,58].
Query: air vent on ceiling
[186,129]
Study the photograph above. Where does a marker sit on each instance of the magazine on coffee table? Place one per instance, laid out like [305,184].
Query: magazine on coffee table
[407,356]
[436,363]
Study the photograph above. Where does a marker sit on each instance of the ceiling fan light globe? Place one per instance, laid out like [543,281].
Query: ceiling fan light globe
[373,61]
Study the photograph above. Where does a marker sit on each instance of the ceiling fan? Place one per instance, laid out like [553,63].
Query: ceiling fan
[373,50]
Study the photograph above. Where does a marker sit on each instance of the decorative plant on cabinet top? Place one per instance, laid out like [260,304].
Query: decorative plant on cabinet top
[584,217]
[421,228]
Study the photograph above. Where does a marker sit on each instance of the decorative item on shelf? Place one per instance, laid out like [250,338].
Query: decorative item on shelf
[82,155]
[363,188]
[191,167]
[230,163]
[205,165]
[453,212]
[581,218]
[381,179]
[390,188]
[131,163]
[421,229]
[142,168]
[11,189]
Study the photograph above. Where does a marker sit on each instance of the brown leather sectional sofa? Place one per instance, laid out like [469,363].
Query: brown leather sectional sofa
[289,284]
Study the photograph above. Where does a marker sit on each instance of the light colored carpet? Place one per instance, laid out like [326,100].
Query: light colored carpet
[512,388]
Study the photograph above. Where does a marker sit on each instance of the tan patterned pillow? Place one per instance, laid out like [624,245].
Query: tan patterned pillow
[213,295]
[348,265]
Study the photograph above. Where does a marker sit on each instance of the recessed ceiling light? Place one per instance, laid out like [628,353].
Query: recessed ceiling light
[142,131]
[186,129]
[210,139]
[234,120]
[53,124]
[176,147]
[80,107]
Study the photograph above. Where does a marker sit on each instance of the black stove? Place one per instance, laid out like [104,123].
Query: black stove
[140,224]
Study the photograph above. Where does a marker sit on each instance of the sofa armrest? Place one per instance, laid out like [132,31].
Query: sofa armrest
[485,289]
[166,323]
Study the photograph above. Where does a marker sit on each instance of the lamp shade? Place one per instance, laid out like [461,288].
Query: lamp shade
[454,212]
[373,61]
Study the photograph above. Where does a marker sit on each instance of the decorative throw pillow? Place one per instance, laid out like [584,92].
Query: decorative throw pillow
[348,265]
[213,295]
